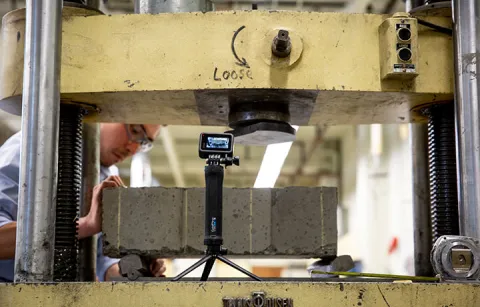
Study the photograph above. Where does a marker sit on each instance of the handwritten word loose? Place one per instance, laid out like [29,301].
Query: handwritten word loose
[232,74]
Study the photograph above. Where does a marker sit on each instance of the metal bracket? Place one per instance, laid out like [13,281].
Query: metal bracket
[339,264]
[456,258]
[134,267]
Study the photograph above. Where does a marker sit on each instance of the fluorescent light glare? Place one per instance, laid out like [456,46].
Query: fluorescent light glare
[272,164]
[376,143]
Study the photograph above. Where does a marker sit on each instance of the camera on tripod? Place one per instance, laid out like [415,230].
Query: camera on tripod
[217,148]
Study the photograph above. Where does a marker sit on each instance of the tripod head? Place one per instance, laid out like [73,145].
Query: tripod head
[227,161]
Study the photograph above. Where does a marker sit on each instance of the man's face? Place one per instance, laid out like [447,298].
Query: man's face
[118,141]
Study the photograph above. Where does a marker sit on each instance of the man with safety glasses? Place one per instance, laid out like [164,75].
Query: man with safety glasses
[117,142]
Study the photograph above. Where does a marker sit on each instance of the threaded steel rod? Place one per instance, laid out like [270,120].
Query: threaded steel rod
[443,170]
[68,193]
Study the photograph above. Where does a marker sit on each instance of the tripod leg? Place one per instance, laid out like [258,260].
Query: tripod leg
[208,268]
[237,267]
[193,267]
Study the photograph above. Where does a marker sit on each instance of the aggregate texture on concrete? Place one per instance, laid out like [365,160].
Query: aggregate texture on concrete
[169,222]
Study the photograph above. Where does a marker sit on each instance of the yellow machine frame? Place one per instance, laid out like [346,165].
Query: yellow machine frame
[237,294]
[132,68]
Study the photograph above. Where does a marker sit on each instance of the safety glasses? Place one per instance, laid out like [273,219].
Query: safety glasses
[138,134]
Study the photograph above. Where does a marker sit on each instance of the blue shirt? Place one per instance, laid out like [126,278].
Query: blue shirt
[9,179]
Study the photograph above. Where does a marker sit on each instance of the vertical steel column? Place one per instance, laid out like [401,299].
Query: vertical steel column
[408,8]
[466,19]
[91,169]
[422,232]
[172,6]
[39,151]
[422,227]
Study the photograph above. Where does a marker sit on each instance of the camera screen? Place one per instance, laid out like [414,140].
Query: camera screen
[215,144]
[218,142]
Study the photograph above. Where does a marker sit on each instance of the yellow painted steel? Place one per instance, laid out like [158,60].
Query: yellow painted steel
[211,294]
[145,68]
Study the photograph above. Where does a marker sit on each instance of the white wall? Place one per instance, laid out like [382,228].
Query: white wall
[379,198]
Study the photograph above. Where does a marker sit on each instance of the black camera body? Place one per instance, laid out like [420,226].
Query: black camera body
[220,144]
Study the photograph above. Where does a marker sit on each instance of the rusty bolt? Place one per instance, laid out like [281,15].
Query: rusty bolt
[281,45]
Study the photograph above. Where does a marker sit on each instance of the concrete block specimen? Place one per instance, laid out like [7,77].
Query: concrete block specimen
[169,222]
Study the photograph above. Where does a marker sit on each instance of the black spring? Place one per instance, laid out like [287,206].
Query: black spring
[68,193]
[443,170]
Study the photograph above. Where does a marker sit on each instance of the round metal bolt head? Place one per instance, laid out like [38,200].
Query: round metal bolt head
[282,46]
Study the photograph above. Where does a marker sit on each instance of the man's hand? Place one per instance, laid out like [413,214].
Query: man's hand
[158,268]
[8,234]
[92,223]
[112,272]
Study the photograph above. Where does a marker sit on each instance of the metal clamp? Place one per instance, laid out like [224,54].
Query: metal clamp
[456,258]
[134,267]
[339,264]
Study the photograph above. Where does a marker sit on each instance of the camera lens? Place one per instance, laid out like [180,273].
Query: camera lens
[404,34]
[404,54]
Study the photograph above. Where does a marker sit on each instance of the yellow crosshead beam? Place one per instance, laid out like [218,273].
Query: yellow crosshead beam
[151,68]
[227,294]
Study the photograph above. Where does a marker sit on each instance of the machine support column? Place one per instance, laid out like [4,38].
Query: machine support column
[422,229]
[39,152]
[172,6]
[466,31]
[91,169]
[422,225]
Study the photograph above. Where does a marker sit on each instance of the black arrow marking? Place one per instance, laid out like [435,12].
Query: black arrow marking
[241,62]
